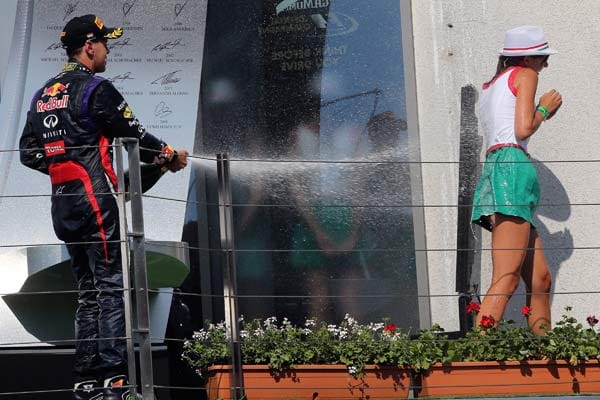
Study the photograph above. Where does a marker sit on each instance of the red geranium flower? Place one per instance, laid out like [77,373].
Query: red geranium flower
[525,311]
[487,321]
[592,320]
[391,328]
[473,308]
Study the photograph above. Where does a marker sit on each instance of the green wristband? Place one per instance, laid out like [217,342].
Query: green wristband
[544,111]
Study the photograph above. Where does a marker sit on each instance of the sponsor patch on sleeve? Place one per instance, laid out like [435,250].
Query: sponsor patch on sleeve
[127,113]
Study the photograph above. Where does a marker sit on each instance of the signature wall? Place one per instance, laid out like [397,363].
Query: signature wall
[156,65]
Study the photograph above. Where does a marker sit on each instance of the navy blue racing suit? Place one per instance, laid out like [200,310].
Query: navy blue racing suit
[71,125]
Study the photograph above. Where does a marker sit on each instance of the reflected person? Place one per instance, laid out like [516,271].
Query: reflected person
[387,186]
[327,230]
[69,132]
[388,224]
[508,191]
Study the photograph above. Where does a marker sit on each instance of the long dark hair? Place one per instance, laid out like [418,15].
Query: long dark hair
[506,62]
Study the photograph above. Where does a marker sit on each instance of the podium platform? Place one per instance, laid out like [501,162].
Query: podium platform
[41,306]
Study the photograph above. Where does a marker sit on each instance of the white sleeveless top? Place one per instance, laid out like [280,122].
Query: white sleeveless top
[497,109]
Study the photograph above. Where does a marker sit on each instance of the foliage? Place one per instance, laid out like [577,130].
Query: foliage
[571,341]
[505,341]
[502,342]
[282,346]
[430,347]
[209,346]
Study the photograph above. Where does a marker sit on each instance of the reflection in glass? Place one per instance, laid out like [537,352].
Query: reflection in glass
[285,82]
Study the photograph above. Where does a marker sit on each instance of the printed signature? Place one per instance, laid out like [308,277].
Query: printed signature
[167,78]
[168,45]
[127,7]
[120,43]
[179,8]
[121,77]
[162,110]
[70,9]
[54,46]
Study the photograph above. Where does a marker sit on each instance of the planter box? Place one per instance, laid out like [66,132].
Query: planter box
[492,378]
[311,382]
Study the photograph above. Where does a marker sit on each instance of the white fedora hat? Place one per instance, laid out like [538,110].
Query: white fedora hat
[526,41]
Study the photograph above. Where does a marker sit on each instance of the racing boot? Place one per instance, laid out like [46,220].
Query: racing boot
[87,390]
[117,388]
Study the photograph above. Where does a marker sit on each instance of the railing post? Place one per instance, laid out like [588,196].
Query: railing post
[139,260]
[125,265]
[229,275]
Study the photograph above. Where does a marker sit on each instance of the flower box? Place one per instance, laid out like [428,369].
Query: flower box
[323,361]
[493,378]
[311,382]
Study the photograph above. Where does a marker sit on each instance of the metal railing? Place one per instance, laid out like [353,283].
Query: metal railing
[136,239]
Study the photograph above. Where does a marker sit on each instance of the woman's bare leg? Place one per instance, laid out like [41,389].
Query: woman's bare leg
[538,281]
[510,237]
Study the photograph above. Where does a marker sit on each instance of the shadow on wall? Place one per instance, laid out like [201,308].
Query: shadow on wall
[558,246]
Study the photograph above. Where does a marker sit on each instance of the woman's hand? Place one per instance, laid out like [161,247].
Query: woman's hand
[552,100]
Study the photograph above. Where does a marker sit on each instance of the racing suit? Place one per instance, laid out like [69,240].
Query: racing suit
[70,128]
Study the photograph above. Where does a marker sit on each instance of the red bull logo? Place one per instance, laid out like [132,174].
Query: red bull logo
[54,90]
[52,104]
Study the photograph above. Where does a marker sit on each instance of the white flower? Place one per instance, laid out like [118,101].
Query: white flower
[351,321]
[258,332]
[271,321]
[310,323]
[352,370]
[221,326]
[200,335]
[376,326]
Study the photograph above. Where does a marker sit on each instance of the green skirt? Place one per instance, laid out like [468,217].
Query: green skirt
[508,185]
[335,219]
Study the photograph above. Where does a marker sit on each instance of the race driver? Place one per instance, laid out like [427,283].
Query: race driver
[71,125]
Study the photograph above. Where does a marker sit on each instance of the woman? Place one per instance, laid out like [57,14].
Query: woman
[508,191]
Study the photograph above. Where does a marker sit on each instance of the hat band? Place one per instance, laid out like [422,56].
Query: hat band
[540,46]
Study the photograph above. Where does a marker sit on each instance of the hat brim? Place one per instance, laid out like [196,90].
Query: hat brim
[520,53]
[113,33]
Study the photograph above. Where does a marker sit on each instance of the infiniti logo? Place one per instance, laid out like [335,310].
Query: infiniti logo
[50,121]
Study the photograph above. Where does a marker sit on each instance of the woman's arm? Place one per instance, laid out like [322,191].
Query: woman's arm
[527,119]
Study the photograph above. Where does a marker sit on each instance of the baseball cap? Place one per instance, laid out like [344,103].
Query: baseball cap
[86,27]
